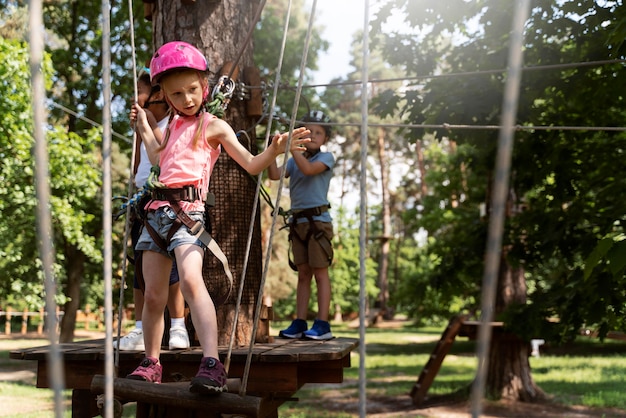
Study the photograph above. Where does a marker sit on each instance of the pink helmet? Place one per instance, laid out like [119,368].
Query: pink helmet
[174,55]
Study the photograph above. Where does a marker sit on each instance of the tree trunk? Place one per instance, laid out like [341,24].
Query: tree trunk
[75,266]
[509,374]
[219,29]
[383,266]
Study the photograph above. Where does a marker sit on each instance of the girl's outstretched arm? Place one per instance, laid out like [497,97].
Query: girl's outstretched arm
[221,132]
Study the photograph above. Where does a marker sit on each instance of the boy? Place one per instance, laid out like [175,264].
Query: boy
[311,228]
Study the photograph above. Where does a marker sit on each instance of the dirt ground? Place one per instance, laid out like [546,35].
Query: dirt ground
[445,407]
[334,399]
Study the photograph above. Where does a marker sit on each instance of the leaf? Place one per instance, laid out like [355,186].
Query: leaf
[598,253]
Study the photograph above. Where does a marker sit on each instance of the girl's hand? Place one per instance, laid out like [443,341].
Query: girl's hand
[137,114]
[298,138]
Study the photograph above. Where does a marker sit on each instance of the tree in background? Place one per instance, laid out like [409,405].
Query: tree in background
[74,44]
[74,183]
[564,186]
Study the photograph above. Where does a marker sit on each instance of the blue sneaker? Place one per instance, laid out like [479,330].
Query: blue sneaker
[295,330]
[319,331]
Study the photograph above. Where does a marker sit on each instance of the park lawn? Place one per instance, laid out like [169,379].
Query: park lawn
[586,372]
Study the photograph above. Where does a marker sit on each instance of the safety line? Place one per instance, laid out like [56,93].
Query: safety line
[107,201]
[294,111]
[479,72]
[363,217]
[55,365]
[493,250]
[248,37]
[244,384]
[450,127]
[86,119]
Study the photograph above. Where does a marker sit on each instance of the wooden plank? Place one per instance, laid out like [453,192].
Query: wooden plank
[178,395]
[320,372]
[275,366]
[427,376]
[268,377]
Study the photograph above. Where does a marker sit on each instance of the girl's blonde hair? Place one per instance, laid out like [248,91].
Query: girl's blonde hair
[201,115]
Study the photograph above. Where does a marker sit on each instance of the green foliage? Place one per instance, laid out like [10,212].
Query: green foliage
[268,39]
[345,271]
[565,188]
[74,182]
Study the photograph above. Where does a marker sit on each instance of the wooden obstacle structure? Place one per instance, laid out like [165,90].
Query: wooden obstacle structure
[278,370]
[174,399]
[458,325]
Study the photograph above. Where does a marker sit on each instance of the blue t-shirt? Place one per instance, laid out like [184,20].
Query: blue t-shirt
[311,191]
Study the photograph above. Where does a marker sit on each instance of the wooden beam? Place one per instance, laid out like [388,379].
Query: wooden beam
[178,395]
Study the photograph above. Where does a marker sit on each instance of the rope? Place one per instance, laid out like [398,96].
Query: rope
[225,86]
[131,186]
[107,202]
[451,127]
[242,390]
[44,223]
[363,218]
[498,201]
[248,37]
[86,119]
[243,276]
[563,66]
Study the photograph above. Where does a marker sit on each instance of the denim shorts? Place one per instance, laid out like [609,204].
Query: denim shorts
[161,221]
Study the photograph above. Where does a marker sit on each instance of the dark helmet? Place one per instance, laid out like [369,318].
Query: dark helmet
[317,116]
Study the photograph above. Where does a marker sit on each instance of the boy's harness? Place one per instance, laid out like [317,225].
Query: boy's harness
[189,193]
[312,232]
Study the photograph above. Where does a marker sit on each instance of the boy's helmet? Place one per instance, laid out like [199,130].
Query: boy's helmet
[176,55]
[317,116]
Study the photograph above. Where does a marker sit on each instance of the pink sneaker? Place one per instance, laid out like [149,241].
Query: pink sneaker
[149,370]
[211,377]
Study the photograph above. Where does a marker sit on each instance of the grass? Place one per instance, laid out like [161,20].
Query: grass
[587,373]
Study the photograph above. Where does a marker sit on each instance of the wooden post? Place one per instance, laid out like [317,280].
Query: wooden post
[24,329]
[41,321]
[7,324]
[87,315]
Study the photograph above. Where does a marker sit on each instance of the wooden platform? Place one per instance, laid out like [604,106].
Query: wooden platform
[278,369]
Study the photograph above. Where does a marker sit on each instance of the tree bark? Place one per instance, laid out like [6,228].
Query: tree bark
[383,266]
[219,29]
[75,265]
[509,374]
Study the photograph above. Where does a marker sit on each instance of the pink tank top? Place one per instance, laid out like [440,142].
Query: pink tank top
[183,164]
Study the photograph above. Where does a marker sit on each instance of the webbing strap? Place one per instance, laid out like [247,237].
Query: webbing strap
[196,228]
[212,245]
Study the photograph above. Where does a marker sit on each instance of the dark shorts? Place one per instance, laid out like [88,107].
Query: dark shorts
[138,282]
[316,252]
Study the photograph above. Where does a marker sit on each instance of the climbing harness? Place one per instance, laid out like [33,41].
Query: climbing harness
[196,228]
[312,232]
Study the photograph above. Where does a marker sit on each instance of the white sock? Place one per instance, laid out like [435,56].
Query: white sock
[139,325]
[178,322]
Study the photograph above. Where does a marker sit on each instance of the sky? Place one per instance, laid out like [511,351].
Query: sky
[340,20]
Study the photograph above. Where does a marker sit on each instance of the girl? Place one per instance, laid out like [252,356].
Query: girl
[189,150]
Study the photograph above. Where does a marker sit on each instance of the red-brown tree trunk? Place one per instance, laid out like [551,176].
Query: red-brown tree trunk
[219,28]
[385,239]
[509,374]
[75,265]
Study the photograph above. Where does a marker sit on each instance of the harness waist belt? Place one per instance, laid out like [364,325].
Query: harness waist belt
[186,193]
[311,211]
